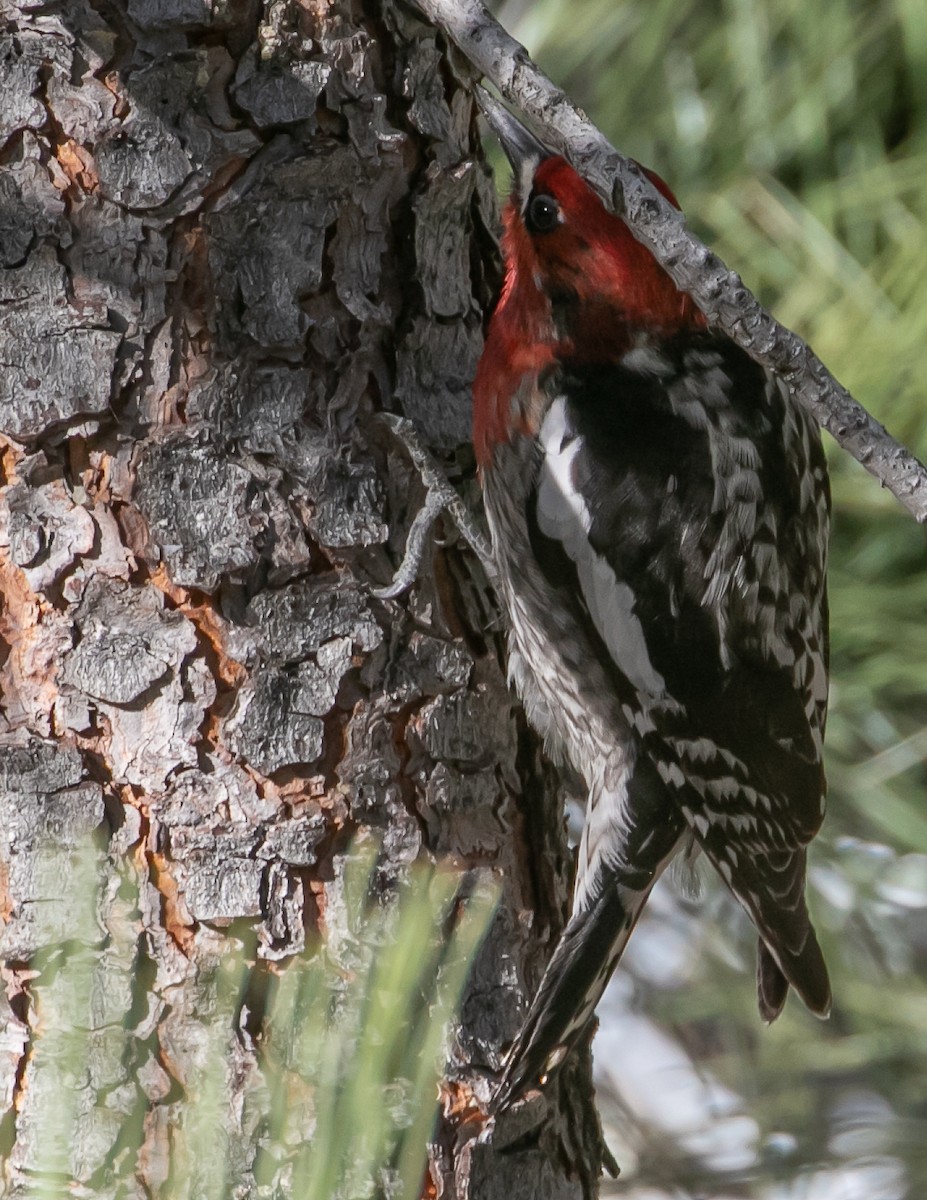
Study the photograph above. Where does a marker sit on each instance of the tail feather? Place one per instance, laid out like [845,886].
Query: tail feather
[789,954]
[780,913]
[771,887]
[772,987]
[573,983]
[806,972]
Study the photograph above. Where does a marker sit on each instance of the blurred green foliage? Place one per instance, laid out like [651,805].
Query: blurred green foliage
[340,1090]
[795,136]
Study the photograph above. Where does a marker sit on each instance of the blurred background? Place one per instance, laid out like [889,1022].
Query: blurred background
[795,136]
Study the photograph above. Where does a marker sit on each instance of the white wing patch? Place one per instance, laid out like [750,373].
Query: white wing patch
[562,512]
[563,515]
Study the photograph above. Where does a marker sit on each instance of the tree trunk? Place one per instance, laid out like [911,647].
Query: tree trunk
[229,236]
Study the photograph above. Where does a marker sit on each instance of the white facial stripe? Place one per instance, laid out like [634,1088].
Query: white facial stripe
[524,179]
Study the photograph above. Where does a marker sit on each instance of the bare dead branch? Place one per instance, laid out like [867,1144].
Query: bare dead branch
[719,292]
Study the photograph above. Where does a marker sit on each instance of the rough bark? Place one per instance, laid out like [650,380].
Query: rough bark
[230,235]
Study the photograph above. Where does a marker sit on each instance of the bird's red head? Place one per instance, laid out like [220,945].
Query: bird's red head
[577,286]
[561,240]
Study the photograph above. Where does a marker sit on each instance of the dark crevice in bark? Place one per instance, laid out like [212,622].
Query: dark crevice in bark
[260,300]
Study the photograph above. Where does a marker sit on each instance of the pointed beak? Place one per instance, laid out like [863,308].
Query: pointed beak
[522,148]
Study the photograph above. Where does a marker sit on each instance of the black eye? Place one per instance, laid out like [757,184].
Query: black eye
[542,214]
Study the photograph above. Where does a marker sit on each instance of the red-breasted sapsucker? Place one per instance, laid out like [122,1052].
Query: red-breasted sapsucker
[659,512]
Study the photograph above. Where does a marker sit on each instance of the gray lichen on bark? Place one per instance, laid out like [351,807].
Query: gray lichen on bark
[230,235]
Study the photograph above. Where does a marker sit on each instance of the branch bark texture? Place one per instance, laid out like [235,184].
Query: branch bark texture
[718,291]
